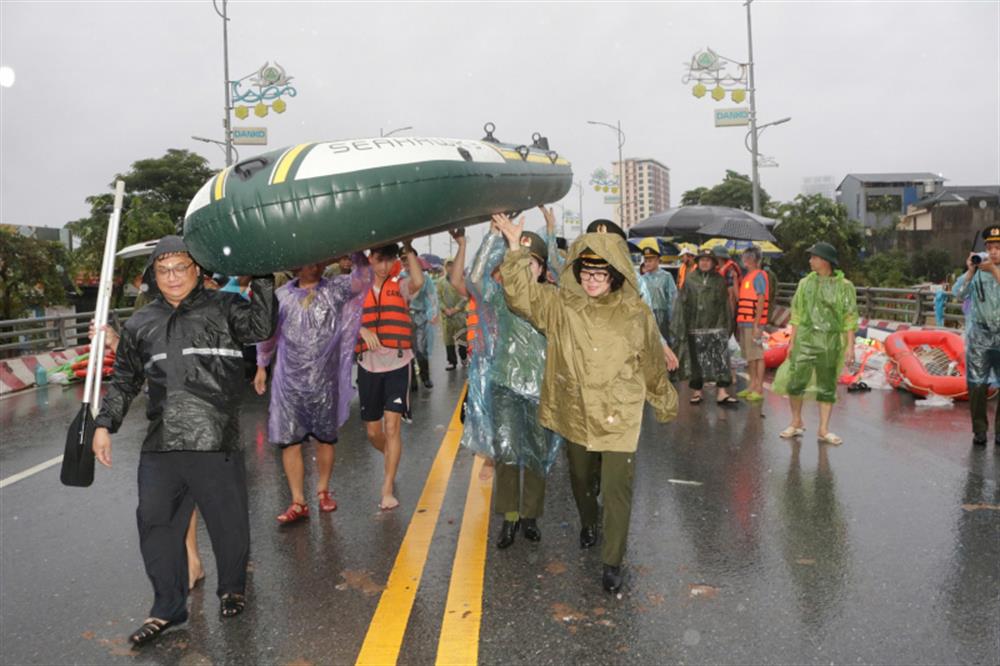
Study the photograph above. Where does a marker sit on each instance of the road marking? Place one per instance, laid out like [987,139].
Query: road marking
[388,624]
[459,640]
[14,478]
[683,482]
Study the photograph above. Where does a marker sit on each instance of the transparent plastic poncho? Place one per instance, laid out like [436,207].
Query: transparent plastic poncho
[313,353]
[982,326]
[659,291]
[423,312]
[700,326]
[823,310]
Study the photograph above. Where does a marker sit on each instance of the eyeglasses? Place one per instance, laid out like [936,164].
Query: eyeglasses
[177,270]
[600,277]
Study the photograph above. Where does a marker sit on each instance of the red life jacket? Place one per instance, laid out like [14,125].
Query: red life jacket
[389,316]
[471,323]
[747,303]
[730,267]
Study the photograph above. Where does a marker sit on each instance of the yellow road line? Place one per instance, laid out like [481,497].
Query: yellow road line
[388,625]
[459,640]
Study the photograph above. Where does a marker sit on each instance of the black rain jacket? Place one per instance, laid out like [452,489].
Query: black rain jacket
[192,357]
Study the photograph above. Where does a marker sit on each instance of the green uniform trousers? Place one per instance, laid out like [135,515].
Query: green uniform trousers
[525,496]
[610,473]
[978,403]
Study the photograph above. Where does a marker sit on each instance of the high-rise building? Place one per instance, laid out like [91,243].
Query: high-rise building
[646,190]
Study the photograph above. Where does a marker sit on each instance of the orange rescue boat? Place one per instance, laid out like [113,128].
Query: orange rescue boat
[927,361]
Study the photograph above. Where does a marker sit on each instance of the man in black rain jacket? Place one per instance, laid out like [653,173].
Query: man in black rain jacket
[188,345]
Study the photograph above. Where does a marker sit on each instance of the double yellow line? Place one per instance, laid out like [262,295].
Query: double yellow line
[459,639]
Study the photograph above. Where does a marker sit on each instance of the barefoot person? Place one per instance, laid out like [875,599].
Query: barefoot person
[823,320]
[604,360]
[187,344]
[318,321]
[384,351]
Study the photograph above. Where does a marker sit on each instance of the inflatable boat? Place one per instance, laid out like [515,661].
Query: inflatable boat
[313,201]
[927,361]
[777,348]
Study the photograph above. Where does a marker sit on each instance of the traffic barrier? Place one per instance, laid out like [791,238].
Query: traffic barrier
[17,374]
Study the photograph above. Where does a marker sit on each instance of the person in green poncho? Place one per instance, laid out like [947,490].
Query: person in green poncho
[700,327]
[452,309]
[823,321]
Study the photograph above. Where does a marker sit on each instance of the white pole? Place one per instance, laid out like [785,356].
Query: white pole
[95,366]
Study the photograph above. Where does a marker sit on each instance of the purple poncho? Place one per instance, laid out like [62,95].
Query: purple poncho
[311,384]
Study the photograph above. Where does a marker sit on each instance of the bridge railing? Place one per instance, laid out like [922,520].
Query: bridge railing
[40,334]
[912,306]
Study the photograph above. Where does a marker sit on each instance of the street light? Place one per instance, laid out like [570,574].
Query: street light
[221,144]
[760,130]
[621,168]
[391,132]
[579,186]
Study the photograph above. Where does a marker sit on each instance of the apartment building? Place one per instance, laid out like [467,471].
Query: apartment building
[646,190]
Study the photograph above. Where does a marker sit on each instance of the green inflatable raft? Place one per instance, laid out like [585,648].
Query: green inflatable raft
[314,201]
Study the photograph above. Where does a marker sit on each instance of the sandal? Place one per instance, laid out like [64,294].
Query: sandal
[232,604]
[790,432]
[326,503]
[831,439]
[151,629]
[294,513]
[728,400]
[695,400]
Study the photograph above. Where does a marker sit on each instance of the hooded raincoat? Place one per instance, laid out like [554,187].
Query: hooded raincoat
[423,311]
[823,310]
[700,326]
[313,352]
[604,357]
[448,297]
[659,291]
[982,326]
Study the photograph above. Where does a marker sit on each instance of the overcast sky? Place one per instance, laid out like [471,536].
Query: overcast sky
[884,86]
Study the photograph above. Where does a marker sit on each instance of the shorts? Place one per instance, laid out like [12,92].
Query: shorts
[381,392]
[751,349]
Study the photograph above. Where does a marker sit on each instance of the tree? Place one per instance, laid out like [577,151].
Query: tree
[157,193]
[932,265]
[810,219]
[32,273]
[735,191]
[886,269]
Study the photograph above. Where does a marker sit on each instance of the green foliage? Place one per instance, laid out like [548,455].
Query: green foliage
[157,193]
[885,207]
[31,273]
[887,269]
[932,265]
[735,191]
[808,220]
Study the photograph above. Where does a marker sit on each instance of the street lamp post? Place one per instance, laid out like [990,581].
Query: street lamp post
[227,119]
[221,144]
[621,168]
[391,132]
[579,186]
[753,135]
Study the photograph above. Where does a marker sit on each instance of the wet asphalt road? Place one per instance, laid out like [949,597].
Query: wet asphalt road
[884,550]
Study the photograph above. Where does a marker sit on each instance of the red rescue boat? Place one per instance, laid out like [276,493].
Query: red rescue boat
[927,361]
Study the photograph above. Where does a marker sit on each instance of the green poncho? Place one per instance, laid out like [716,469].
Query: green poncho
[448,297]
[700,327]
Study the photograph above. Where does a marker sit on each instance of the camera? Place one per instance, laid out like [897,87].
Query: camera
[978,258]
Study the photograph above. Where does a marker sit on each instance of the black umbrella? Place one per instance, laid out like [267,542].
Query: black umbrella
[690,220]
[748,229]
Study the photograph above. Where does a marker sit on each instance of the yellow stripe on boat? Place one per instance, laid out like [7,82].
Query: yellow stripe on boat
[285,163]
[220,183]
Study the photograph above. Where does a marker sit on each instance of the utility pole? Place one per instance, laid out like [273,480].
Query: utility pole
[227,119]
[753,117]
[617,127]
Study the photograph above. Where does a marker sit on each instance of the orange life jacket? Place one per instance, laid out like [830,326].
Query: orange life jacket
[730,267]
[471,322]
[747,302]
[682,273]
[389,316]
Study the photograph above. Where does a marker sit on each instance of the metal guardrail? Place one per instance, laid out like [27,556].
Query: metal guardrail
[39,334]
[912,306]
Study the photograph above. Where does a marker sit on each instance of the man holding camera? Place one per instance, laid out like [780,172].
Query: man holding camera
[982,352]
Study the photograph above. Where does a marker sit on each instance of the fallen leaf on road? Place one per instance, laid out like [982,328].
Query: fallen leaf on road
[981,507]
[702,591]
[555,567]
[87,635]
[598,612]
[564,613]
[361,581]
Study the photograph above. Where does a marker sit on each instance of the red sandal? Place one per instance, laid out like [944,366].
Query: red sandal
[326,503]
[294,513]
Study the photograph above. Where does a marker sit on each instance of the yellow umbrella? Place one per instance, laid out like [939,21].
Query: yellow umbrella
[767,247]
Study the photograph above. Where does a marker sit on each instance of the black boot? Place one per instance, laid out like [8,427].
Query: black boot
[531,531]
[588,536]
[413,377]
[507,532]
[612,578]
[979,439]
[425,373]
